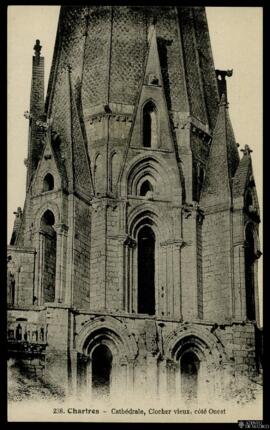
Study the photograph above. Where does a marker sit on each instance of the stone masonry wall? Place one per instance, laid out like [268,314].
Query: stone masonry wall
[22,265]
[217,276]
[82,240]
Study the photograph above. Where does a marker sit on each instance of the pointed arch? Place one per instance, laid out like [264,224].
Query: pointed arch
[146,213]
[112,328]
[105,342]
[48,182]
[52,207]
[195,346]
[163,177]
[146,188]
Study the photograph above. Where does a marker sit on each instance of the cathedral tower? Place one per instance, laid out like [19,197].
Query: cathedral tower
[134,260]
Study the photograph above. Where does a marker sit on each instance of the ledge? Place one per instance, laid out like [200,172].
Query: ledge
[14,248]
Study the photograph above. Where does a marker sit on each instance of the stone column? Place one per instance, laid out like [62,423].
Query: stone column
[152,373]
[40,268]
[17,286]
[130,377]
[73,377]
[119,379]
[239,298]
[171,303]
[82,375]
[256,291]
[122,263]
[191,287]
[61,230]
[177,305]
[162,380]
[164,304]
[129,287]
[171,377]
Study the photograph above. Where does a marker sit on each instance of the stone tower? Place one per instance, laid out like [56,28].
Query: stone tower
[133,263]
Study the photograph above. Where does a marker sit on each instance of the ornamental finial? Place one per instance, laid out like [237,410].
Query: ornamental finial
[246,150]
[37,48]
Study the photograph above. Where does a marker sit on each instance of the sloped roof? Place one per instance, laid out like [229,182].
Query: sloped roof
[88,36]
[222,162]
[82,178]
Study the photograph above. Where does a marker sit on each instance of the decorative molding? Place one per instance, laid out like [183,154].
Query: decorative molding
[179,243]
[14,248]
[44,125]
[110,116]
[205,137]
[193,209]
[99,203]
[61,228]
[130,242]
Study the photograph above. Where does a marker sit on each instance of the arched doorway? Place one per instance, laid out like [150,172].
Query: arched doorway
[146,271]
[49,263]
[189,369]
[101,371]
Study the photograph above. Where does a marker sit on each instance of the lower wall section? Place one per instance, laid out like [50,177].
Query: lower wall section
[103,356]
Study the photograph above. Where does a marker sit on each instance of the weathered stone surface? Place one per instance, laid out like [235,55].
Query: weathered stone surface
[149,204]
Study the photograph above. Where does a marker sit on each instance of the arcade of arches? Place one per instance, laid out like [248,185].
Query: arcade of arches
[105,365]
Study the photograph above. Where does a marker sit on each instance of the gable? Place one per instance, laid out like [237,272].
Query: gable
[47,169]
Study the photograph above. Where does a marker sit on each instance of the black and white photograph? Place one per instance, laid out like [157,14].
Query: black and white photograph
[134,256]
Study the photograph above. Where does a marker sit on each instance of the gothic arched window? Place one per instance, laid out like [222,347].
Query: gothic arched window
[146,271]
[49,263]
[189,367]
[150,125]
[101,371]
[48,182]
[249,272]
[146,188]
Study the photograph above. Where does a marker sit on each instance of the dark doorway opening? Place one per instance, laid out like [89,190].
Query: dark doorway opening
[49,269]
[101,371]
[146,271]
[190,365]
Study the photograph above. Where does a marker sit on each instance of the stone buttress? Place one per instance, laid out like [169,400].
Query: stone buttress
[138,243]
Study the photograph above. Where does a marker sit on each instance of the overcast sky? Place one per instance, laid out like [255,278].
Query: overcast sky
[236,38]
